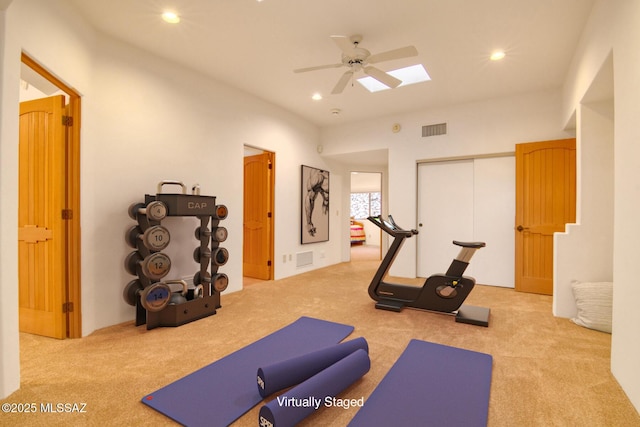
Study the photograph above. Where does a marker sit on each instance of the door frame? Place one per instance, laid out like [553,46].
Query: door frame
[72,201]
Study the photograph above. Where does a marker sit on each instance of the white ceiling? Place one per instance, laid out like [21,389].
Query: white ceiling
[255,46]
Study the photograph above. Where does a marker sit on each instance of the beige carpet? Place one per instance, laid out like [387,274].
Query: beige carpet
[547,371]
[365,253]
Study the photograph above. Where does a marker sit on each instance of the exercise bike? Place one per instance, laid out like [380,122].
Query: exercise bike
[442,293]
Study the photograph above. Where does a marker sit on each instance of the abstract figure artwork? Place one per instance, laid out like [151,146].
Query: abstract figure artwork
[315,205]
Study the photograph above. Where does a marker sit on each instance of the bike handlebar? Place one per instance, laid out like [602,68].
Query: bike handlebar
[390,226]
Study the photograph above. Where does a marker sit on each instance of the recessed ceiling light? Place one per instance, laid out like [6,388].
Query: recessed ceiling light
[497,55]
[409,75]
[316,97]
[171,17]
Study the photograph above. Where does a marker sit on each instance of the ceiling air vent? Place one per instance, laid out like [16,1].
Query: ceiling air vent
[433,130]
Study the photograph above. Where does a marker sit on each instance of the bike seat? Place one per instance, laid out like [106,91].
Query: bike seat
[474,245]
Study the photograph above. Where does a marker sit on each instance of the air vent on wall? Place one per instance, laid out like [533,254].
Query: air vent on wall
[304,258]
[433,130]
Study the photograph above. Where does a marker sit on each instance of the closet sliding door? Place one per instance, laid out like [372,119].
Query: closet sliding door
[445,213]
[470,200]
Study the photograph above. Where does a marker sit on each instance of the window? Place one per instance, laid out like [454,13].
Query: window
[364,205]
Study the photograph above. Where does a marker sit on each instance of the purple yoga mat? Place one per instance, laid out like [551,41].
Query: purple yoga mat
[287,373]
[431,385]
[317,392]
[223,391]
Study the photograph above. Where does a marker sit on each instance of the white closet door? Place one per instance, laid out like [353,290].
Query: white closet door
[494,216]
[470,200]
[445,213]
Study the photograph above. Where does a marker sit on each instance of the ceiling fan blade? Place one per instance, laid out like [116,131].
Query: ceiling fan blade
[319,67]
[342,83]
[344,43]
[382,77]
[403,52]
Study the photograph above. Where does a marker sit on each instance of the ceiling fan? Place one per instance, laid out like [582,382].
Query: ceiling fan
[356,58]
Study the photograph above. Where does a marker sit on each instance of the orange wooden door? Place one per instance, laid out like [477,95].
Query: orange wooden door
[545,202]
[258,216]
[41,234]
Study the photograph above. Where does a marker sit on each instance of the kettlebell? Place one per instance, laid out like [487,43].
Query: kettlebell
[177,298]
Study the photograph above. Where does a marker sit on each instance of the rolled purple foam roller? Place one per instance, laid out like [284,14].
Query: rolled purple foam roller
[287,373]
[318,391]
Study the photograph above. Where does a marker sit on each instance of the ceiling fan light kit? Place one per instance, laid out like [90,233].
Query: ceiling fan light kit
[358,59]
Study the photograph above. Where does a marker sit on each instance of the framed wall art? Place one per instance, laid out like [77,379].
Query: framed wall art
[315,205]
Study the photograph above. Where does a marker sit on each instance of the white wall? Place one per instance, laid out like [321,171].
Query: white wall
[613,27]
[9,351]
[488,127]
[363,182]
[144,120]
[156,123]
[584,252]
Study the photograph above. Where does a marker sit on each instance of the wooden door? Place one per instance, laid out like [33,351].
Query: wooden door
[545,202]
[41,234]
[258,216]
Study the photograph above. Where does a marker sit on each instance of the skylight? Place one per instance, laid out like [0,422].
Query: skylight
[409,75]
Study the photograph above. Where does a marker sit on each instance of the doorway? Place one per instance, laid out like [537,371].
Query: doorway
[366,200]
[258,215]
[49,204]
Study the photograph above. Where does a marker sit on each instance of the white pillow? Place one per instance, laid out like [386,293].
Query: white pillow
[594,302]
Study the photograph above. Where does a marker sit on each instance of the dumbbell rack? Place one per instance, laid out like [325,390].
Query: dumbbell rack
[156,303]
